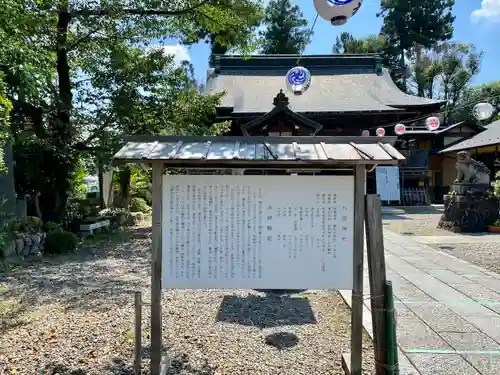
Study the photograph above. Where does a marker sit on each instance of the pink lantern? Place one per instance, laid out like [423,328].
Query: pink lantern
[432,123]
[380,132]
[399,129]
[365,133]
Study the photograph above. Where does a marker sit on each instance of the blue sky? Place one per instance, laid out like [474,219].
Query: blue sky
[477,22]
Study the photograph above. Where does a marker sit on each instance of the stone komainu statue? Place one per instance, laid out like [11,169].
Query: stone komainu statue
[470,171]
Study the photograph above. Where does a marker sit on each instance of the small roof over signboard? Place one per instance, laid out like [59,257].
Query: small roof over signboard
[259,152]
[488,137]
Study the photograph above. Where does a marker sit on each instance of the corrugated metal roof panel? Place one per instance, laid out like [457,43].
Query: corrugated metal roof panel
[223,150]
[310,152]
[135,150]
[229,150]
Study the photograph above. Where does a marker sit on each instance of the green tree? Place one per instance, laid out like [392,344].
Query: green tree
[93,77]
[285,29]
[445,72]
[489,92]
[347,43]
[412,25]
[23,60]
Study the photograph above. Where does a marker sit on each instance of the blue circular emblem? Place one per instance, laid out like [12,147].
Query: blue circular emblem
[339,2]
[298,80]
[297,76]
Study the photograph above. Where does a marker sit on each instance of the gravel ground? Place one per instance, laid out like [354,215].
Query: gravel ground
[486,255]
[73,315]
[423,222]
[416,222]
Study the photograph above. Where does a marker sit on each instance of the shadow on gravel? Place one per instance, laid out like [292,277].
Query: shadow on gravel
[265,312]
[102,274]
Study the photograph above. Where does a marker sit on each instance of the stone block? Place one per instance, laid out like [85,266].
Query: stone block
[10,249]
[441,318]
[414,334]
[443,364]
[468,214]
[471,341]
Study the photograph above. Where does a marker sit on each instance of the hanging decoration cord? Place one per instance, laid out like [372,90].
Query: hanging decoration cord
[310,31]
[443,111]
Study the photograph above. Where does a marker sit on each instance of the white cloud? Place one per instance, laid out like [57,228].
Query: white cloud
[179,52]
[489,9]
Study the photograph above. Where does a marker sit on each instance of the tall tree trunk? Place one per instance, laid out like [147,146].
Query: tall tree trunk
[63,75]
[125,175]
[61,123]
[418,70]
[403,69]
[100,173]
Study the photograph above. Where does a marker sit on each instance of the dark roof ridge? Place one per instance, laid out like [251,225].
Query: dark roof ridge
[370,62]
[285,56]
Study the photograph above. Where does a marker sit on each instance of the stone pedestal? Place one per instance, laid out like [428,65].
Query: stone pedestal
[468,214]
[470,189]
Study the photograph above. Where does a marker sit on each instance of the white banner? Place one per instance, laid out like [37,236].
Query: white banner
[388,183]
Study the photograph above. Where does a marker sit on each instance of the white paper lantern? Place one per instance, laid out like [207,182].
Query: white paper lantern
[365,133]
[483,111]
[298,80]
[380,132]
[399,129]
[337,11]
[432,123]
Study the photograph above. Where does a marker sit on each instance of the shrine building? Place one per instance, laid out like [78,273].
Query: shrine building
[348,94]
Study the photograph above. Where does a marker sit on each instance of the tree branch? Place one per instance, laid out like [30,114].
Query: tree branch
[77,42]
[95,133]
[141,12]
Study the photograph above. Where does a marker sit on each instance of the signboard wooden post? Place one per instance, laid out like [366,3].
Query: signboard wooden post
[156,271]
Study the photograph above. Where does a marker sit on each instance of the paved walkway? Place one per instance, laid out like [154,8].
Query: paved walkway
[462,239]
[448,310]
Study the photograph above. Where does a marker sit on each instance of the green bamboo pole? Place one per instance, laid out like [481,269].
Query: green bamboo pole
[391,330]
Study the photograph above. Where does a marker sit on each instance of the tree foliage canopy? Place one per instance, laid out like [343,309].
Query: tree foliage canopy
[347,43]
[80,74]
[285,29]
[412,25]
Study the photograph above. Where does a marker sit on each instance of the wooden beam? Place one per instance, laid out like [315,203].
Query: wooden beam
[357,289]
[156,269]
[377,276]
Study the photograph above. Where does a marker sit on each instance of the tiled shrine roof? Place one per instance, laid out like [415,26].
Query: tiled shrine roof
[235,152]
[488,137]
[340,84]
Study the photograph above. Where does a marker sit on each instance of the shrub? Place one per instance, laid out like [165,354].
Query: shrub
[145,194]
[50,226]
[5,238]
[496,185]
[139,205]
[16,224]
[60,243]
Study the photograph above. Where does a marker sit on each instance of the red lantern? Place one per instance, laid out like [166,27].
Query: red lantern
[432,123]
[380,132]
[365,133]
[399,129]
